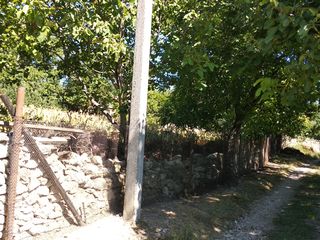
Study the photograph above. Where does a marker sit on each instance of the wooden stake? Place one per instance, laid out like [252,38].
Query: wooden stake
[14,165]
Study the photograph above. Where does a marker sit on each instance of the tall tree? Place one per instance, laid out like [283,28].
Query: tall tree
[223,66]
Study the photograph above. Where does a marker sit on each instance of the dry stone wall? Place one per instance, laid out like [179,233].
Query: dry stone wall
[91,182]
[94,183]
[178,176]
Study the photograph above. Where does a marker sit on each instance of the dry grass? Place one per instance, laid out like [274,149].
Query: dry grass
[57,117]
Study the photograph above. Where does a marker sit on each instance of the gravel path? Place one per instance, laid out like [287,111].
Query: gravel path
[258,221]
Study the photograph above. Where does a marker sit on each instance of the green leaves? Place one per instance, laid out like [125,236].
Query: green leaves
[266,88]
[270,34]
[25,9]
[43,34]
[303,31]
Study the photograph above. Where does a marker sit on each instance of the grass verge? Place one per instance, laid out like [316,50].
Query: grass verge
[300,219]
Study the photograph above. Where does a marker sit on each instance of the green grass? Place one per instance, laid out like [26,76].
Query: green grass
[301,216]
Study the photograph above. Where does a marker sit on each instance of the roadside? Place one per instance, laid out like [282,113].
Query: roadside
[259,221]
[246,211]
[211,215]
[300,218]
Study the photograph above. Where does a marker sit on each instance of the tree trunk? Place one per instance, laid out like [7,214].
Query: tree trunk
[230,163]
[264,152]
[123,140]
[275,144]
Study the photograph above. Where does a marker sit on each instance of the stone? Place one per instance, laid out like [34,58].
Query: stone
[32,197]
[55,214]
[3,189]
[77,176]
[53,225]
[26,217]
[29,163]
[2,180]
[36,229]
[91,169]
[43,212]
[3,151]
[24,235]
[5,162]
[73,159]
[43,202]
[25,149]
[84,158]
[4,137]
[37,172]
[117,167]
[2,199]
[52,159]
[46,149]
[2,208]
[101,204]
[43,180]
[26,209]
[20,204]
[89,184]
[21,188]
[102,172]
[70,186]
[25,226]
[43,191]
[39,221]
[2,219]
[24,174]
[2,166]
[97,160]
[33,184]
[57,211]
[100,184]
[58,167]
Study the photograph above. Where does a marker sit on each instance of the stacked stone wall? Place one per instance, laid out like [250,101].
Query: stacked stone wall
[91,182]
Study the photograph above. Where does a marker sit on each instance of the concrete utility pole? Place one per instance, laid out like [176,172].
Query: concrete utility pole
[134,175]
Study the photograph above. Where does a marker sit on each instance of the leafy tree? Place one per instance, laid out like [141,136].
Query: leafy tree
[20,61]
[228,68]
[292,31]
[88,44]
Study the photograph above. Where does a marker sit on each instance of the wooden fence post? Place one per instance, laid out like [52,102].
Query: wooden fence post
[14,165]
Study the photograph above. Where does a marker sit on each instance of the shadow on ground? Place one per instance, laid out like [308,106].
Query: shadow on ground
[208,216]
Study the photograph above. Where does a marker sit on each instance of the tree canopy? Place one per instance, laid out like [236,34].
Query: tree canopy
[237,67]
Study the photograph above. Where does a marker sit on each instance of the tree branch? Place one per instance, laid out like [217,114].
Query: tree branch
[96,104]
